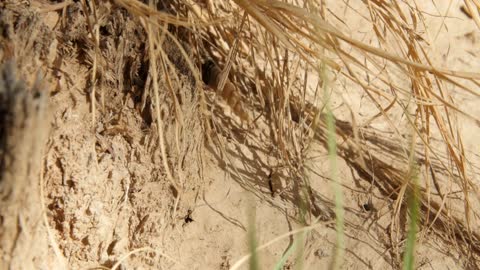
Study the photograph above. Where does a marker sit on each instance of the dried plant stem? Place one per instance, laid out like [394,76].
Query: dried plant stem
[153,70]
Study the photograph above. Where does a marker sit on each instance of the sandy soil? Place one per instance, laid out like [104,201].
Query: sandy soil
[106,188]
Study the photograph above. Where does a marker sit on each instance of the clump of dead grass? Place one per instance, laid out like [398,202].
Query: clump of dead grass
[279,39]
[263,45]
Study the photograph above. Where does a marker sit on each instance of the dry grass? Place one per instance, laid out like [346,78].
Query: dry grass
[264,46]
[275,40]
[282,30]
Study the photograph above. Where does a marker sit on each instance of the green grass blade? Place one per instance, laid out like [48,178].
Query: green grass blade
[252,241]
[332,154]
[413,206]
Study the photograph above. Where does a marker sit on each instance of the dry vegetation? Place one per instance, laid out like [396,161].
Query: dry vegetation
[154,106]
